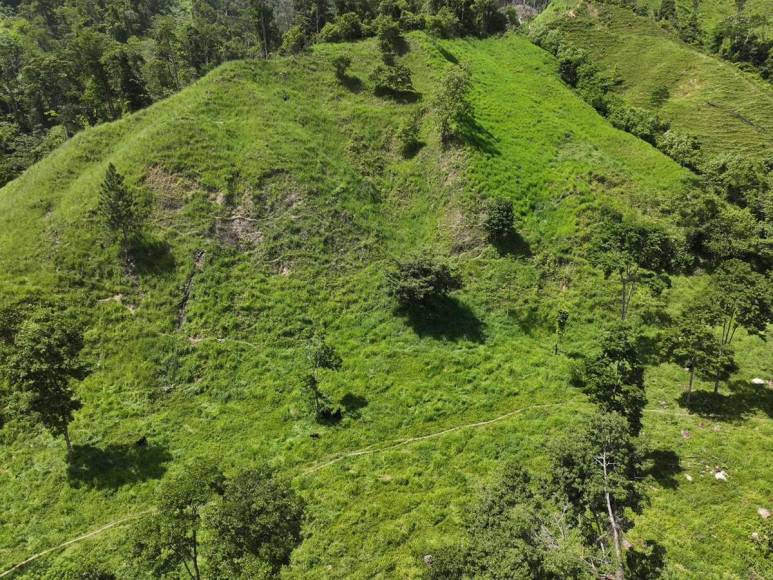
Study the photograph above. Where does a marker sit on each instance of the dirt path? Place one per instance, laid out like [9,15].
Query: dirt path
[91,534]
[363,451]
[369,450]
[402,442]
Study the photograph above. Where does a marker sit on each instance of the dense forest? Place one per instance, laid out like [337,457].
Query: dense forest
[412,288]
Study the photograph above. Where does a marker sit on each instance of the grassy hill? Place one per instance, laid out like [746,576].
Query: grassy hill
[727,109]
[279,199]
[712,12]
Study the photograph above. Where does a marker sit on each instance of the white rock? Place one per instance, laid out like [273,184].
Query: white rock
[759,382]
[764,514]
[688,477]
[720,475]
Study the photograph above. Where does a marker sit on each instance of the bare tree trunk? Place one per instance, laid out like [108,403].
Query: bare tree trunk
[196,571]
[619,573]
[70,450]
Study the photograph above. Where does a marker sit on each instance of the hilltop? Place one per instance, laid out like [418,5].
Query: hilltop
[279,199]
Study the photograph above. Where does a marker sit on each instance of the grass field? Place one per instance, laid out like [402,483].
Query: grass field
[279,196]
[727,109]
[712,12]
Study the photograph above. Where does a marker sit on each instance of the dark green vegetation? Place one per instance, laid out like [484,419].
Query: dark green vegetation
[709,98]
[281,196]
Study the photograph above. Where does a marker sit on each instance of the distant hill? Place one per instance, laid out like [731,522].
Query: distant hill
[727,109]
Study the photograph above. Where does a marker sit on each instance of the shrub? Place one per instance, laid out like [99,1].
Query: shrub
[390,39]
[392,79]
[408,135]
[293,41]
[417,282]
[443,24]
[660,94]
[341,64]
[499,219]
[682,148]
[639,122]
[349,26]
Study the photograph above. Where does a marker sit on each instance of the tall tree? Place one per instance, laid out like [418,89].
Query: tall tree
[693,345]
[256,526]
[118,208]
[597,471]
[636,252]
[614,378]
[738,297]
[322,356]
[171,539]
[452,104]
[40,368]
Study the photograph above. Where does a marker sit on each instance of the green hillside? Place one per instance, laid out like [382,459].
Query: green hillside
[712,12]
[712,99]
[279,200]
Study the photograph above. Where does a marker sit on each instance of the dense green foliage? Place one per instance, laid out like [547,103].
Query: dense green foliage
[281,200]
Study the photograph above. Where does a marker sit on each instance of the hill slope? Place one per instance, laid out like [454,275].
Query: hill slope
[712,99]
[279,200]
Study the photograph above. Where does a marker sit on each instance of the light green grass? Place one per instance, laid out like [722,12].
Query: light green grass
[334,205]
[727,109]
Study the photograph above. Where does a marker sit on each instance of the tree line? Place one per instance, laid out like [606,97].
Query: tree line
[66,64]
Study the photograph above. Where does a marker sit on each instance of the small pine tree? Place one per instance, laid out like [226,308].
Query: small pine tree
[118,208]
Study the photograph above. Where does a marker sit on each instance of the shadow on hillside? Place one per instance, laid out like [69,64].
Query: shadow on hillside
[743,400]
[646,562]
[512,244]
[474,134]
[663,467]
[448,55]
[353,404]
[352,83]
[151,256]
[446,319]
[117,465]
[403,97]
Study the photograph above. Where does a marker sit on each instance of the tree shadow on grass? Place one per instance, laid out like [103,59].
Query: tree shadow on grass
[152,256]
[646,562]
[448,55]
[403,97]
[353,404]
[352,83]
[446,319]
[663,467]
[474,134]
[117,465]
[743,400]
[512,244]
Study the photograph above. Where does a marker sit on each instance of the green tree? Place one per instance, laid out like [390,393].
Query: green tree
[341,63]
[597,471]
[171,539]
[693,345]
[738,297]
[499,220]
[614,378]
[261,14]
[119,208]
[667,10]
[255,527]
[452,104]
[636,252]
[562,319]
[322,356]
[418,282]
[40,368]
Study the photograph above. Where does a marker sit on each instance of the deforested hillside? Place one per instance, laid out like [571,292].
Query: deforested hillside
[280,199]
[695,90]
